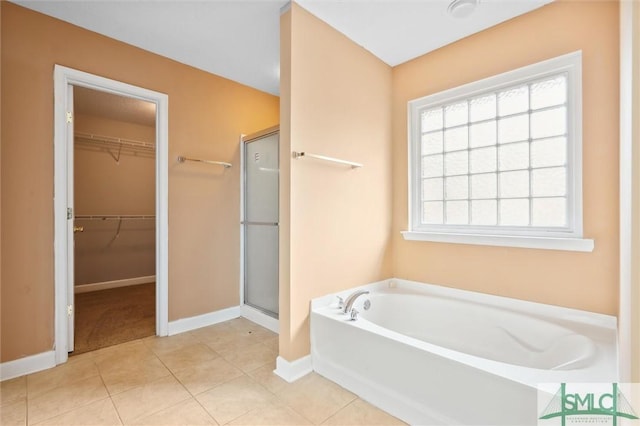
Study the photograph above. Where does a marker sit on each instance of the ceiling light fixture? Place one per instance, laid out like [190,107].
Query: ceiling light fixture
[462,8]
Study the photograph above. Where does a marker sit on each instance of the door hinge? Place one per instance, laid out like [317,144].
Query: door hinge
[69,117]
[69,310]
[69,213]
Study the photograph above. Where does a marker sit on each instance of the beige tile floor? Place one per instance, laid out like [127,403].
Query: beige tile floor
[222,374]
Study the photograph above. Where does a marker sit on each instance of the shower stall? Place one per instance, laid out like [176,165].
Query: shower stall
[260,221]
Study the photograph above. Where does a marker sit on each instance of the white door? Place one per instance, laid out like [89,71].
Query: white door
[70,222]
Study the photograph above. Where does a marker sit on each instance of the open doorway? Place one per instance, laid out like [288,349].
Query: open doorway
[114,219]
[67,81]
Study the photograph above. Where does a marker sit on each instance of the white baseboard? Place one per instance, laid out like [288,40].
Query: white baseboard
[292,371]
[27,365]
[85,288]
[260,318]
[199,321]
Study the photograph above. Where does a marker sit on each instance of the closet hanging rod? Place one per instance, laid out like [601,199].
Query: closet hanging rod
[226,165]
[115,217]
[353,164]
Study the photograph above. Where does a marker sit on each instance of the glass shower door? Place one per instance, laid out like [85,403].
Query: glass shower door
[261,223]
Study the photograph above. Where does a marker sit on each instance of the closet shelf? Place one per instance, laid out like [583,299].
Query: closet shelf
[115,146]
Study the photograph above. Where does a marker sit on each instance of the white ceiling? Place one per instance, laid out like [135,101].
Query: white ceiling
[397,31]
[239,39]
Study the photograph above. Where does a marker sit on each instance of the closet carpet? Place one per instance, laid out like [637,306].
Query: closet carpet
[110,317]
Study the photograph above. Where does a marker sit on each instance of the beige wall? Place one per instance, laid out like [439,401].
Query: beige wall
[335,99]
[206,116]
[581,280]
[103,186]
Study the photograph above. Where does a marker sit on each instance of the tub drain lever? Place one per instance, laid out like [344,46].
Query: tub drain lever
[353,315]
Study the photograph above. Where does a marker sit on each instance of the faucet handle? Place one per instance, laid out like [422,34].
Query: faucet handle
[353,315]
[340,302]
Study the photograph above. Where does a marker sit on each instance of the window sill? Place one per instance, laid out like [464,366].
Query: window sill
[546,243]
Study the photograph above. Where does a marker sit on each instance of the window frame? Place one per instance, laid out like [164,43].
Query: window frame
[563,238]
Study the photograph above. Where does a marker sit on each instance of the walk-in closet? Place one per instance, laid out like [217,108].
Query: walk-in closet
[114,173]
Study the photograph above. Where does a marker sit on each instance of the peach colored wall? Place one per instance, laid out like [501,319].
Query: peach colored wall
[103,186]
[206,116]
[337,97]
[580,280]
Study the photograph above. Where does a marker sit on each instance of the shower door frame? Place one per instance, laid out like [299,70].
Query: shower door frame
[251,312]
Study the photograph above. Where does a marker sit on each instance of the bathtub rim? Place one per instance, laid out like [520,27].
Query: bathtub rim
[536,308]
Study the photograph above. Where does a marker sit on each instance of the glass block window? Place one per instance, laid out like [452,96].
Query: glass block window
[500,155]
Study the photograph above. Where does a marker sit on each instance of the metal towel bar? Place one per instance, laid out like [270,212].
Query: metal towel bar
[226,165]
[353,164]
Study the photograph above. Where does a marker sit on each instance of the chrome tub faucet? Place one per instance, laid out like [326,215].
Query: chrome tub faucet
[348,304]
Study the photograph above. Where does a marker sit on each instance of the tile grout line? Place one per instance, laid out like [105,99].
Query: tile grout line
[278,396]
[65,385]
[292,408]
[113,404]
[203,407]
[171,374]
[341,409]
[191,395]
[243,373]
[70,410]
[112,394]
[295,411]
[258,408]
[194,396]
[26,397]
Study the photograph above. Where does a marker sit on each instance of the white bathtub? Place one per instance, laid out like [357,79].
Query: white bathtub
[436,355]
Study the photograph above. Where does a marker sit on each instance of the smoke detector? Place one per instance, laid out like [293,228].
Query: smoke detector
[462,8]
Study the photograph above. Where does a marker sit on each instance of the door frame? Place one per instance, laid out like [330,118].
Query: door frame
[63,176]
